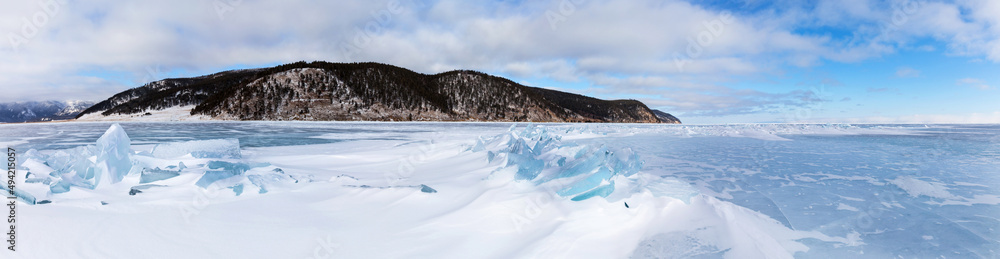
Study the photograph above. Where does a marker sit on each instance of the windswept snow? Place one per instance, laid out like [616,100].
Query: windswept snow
[459,190]
[916,187]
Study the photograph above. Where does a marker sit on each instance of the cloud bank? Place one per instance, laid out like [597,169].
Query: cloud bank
[679,55]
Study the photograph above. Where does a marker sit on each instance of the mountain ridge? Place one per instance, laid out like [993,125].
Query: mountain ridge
[35,111]
[369,91]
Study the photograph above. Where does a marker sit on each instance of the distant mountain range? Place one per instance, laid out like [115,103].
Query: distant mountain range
[369,91]
[41,111]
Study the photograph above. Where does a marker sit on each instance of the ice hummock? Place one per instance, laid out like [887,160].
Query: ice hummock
[82,167]
[580,172]
[237,175]
[113,155]
[19,194]
[107,162]
[221,170]
[212,148]
[157,174]
[111,160]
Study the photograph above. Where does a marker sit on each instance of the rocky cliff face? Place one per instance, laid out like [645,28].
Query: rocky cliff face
[666,117]
[369,91]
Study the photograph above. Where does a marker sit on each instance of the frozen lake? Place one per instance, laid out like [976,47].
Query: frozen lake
[455,190]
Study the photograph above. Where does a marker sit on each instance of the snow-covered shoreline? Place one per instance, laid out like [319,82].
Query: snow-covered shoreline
[176,113]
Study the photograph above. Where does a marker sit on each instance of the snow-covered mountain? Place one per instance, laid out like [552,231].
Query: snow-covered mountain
[41,111]
[368,91]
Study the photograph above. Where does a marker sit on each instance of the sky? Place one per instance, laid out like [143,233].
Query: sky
[705,61]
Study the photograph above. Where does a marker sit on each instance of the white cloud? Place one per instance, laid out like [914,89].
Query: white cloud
[680,54]
[906,72]
[706,98]
[977,83]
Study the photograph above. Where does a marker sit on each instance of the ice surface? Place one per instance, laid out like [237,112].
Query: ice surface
[263,178]
[603,174]
[238,189]
[156,174]
[65,168]
[712,191]
[18,194]
[677,245]
[427,189]
[213,148]
[602,191]
[671,187]
[221,170]
[915,187]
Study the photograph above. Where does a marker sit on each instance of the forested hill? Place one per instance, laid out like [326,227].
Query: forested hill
[369,91]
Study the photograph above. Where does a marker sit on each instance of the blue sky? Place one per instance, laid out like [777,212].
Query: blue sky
[854,61]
